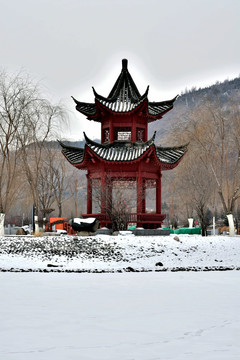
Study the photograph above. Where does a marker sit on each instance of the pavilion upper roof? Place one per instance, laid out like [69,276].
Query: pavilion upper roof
[124,88]
[124,97]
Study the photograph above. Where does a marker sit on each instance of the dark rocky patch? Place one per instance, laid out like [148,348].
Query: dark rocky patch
[159,263]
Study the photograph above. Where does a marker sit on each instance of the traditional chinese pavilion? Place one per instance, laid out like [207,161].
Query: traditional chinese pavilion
[125,152]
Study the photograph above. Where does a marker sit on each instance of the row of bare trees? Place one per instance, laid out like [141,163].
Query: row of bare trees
[30,165]
[209,175]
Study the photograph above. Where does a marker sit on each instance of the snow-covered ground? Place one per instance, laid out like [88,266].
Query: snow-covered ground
[119,253]
[127,316]
[147,315]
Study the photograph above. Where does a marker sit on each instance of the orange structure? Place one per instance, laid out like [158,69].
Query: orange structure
[60,223]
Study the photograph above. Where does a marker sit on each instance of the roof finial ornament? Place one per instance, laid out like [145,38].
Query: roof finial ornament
[124,64]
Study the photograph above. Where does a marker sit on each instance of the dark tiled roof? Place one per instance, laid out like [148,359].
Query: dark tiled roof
[170,155]
[87,109]
[125,81]
[157,108]
[119,150]
[127,151]
[123,103]
[123,151]
[73,154]
[124,97]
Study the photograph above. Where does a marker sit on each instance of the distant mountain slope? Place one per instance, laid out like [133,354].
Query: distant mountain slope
[222,92]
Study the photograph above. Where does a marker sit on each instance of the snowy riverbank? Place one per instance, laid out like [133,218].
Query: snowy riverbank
[119,253]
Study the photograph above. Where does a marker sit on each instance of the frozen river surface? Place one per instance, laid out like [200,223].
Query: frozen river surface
[127,316]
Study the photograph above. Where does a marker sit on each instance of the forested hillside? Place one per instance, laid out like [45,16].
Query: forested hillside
[219,92]
[207,181]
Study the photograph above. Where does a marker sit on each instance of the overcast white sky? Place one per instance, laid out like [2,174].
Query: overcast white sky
[72,45]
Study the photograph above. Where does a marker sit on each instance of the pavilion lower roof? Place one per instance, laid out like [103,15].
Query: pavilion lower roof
[123,151]
[119,150]
[170,155]
[73,154]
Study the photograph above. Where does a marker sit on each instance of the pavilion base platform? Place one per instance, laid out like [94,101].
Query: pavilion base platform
[136,232]
[146,224]
[103,231]
[151,232]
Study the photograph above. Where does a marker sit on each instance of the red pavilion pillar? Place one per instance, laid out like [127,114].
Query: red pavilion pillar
[103,197]
[144,196]
[109,190]
[111,132]
[89,194]
[134,132]
[158,194]
[140,199]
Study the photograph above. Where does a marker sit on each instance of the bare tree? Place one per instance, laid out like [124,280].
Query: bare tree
[45,190]
[117,200]
[34,152]
[26,122]
[62,178]
[199,188]
[11,108]
[213,130]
